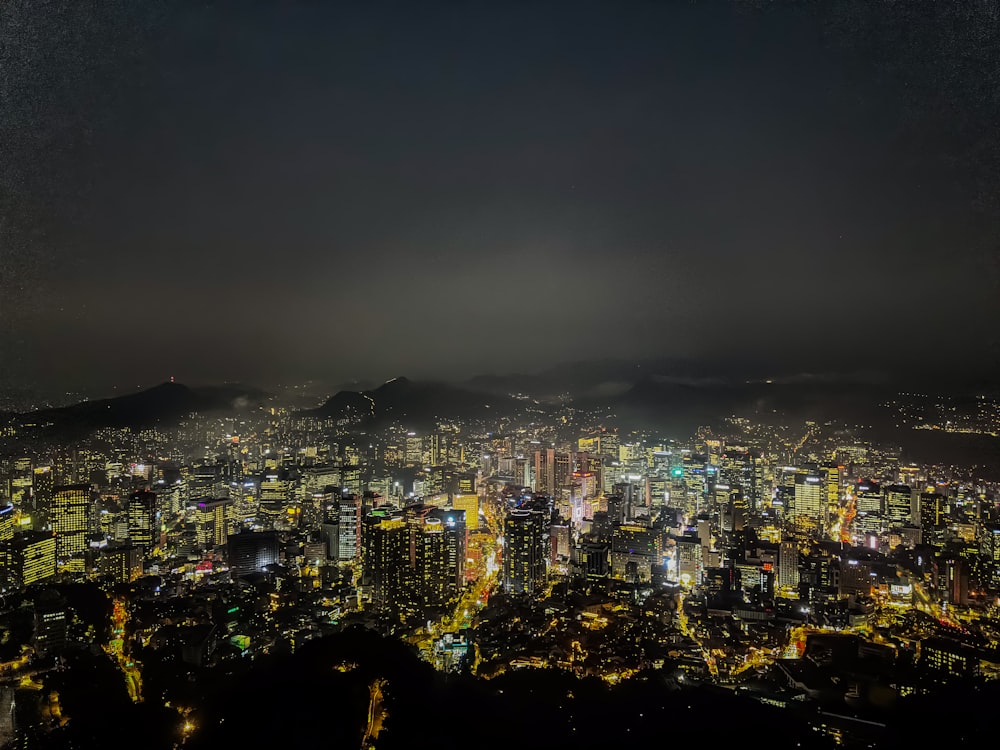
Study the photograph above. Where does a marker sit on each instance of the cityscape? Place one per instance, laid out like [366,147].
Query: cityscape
[557,374]
[798,565]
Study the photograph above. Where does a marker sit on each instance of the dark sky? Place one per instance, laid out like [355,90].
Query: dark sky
[263,190]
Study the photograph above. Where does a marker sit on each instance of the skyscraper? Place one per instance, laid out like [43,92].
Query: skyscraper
[42,490]
[32,557]
[212,525]
[810,498]
[70,519]
[635,551]
[143,520]
[933,510]
[6,523]
[788,564]
[468,503]
[524,552]
[869,504]
[413,558]
[275,495]
[552,471]
[349,527]
[897,504]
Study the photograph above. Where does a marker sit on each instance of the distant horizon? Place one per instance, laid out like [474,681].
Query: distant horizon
[700,373]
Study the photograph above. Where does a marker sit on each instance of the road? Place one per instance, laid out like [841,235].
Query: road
[116,648]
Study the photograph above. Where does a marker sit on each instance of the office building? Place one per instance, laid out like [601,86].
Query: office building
[810,498]
[525,551]
[32,558]
[898,498]
[212,523]
[349,527]
[252,552]
[635,551]
[70,520]
[414,558]
[143,521]
[469,503]
[7,523]
[122,563]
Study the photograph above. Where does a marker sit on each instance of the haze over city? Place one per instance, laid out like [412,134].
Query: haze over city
[283,191]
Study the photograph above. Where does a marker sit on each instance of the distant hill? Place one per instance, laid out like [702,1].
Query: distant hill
[413,403]
[684,405]
[163,404]
[582,379]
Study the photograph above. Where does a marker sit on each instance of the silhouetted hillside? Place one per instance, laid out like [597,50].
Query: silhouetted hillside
[163,404]
[417,404]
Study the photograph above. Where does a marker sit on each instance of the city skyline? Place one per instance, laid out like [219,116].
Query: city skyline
[286,192]
[508,374]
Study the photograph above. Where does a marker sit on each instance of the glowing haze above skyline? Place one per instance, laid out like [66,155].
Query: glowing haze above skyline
[332,190]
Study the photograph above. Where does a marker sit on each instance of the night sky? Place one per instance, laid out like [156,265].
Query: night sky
[264,191]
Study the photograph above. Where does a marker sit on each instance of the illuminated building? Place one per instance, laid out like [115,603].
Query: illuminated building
[855,578]
[933,511]
[349,527]
[352,478]
[657,491]
[413,558]
[143,520]
[738,469]
[810,497]
[316,479]
[949,658]
[70,520]
[788,564]
[869,498]
[19,482]
[252,552]
[121,563]
[953,581]
[524,554]
[330,526]
[7,515]
[52,617]
[593,559]
[394,456]
[689,560]
[42,491]
[608,444]
[466,483]
[211,523]
[455,528]
[819,576]
[469,504]
[32,557]
[552,471]
[432,563]
[991,543]
[897,504]
[275,495]
[834,473]
[869,502]
[635,550]
[560,542]
[414,450]
[386,547]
